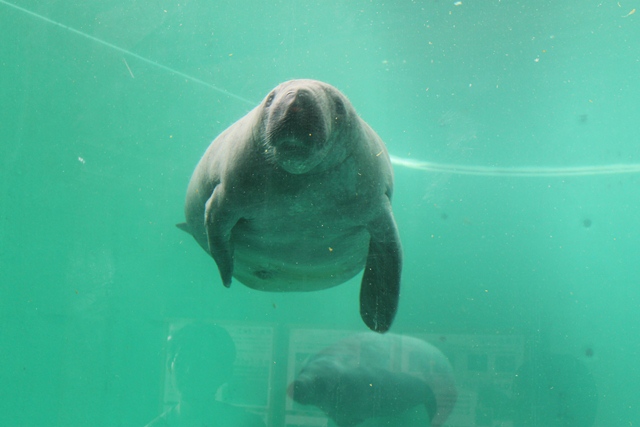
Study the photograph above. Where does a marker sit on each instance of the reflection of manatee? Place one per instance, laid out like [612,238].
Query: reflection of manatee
[296,196]
[202,359]
[369,376]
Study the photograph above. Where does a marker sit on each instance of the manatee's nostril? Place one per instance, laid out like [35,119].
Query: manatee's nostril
[300,102]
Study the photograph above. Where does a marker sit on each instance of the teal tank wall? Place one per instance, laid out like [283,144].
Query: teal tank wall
[512,127]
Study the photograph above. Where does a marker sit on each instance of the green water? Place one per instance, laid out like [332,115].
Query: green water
[528,284]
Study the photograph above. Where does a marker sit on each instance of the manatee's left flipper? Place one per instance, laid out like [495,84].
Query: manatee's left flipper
[184,227]
[380,288]
[219,220]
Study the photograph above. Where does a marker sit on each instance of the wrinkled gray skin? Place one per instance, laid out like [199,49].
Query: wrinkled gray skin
[296,196]
[363,377]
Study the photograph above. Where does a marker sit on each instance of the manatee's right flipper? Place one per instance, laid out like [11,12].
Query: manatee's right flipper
[218,222]
[380,288]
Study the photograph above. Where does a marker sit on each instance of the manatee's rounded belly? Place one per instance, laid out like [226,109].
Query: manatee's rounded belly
[298,261]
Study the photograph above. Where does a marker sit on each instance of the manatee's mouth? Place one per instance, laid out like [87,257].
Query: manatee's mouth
[296,132]
[293,148]
[309,391]
[299,392]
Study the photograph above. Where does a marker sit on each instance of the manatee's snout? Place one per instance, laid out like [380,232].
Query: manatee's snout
[305,391]
[297,120]
[297,128]
[298,101]
[299,392]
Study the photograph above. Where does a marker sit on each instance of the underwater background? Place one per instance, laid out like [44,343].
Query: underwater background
[514,125]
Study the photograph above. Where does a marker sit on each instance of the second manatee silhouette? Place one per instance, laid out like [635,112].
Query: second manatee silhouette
[369,375]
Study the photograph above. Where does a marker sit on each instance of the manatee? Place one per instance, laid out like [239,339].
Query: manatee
[296,196]
[369,375]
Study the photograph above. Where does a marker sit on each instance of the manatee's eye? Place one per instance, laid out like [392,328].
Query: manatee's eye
[270,99]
